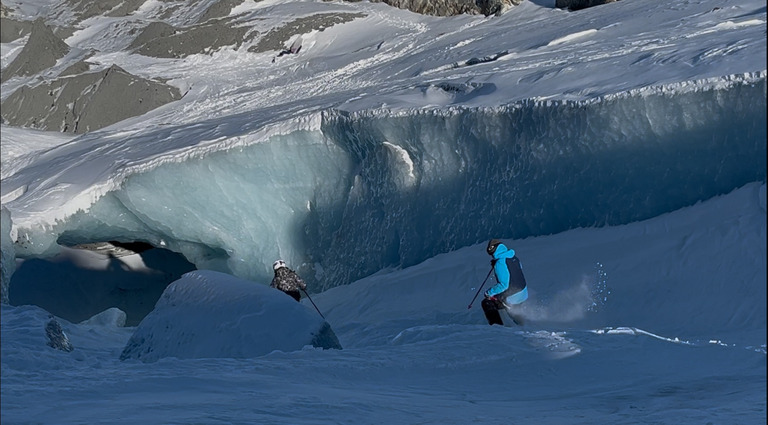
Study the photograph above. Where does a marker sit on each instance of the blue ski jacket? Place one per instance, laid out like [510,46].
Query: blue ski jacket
[509,274]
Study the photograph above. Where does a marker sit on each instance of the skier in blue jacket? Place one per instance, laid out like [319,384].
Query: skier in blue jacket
[510,289]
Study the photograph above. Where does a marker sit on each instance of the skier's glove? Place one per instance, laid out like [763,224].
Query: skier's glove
[493,262]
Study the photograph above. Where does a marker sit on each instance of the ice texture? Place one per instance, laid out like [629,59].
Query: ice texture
[370,190]
[8,259]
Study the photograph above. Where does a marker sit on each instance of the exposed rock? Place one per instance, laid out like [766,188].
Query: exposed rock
[325,338]
[124,8]
[78,68]
[161,40]
[86,102]
[63,32]
[484,59]
[11,30]
[277,37]
[219,9]
[453,7]
[116,8]
[461,92]
[153,31]
[580,4]
[170,10]
[495,7]
[40,53]
[207,314]
[5,10]
[56,337]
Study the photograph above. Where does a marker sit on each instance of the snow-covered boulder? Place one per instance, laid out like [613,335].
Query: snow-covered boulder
[85,102]
[208,314]
[109,317]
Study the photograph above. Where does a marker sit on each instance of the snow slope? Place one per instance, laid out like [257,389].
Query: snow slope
[620,150]
[664,335]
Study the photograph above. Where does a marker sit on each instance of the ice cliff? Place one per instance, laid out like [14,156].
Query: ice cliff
[357,153]
[362,191]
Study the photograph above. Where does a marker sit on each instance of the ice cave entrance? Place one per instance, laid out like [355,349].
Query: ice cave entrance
[88,278]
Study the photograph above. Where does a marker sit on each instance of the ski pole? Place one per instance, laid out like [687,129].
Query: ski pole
[313,303]
[480,289]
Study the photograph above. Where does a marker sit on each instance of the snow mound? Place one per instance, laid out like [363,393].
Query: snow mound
[208,314]
[109,317]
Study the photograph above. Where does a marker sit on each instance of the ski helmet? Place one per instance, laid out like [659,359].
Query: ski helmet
[492,244]
[278,264]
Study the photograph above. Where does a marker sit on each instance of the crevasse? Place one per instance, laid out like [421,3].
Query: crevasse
[378,189]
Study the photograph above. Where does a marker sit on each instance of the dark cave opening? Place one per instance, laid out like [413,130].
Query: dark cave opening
[85,279]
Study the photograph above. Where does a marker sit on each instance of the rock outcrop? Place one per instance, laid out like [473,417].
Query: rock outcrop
[161,40]
[453,7]
[56,337]
[220,9]
[86,102]
[11,29]
[40,53]
[115,8]
[580,4]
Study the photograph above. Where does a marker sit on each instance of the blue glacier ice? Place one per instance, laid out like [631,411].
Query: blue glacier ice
[375,189]
[8,257]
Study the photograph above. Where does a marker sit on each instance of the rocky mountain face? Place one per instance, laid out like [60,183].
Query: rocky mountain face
[453,7]
[85,102]
[54,87]
[41,52]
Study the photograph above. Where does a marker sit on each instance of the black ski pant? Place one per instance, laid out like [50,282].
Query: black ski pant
[491,307]
[295,294]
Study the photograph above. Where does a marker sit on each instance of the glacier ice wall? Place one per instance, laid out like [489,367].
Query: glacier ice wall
[379,189]
[7,254]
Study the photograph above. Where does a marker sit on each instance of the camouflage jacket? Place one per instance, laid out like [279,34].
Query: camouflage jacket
[287,280]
